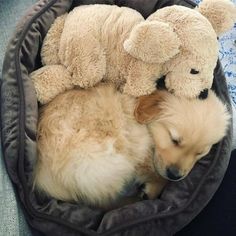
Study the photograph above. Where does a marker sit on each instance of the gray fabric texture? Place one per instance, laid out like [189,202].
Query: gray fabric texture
[234,125]
[180,201]
[12,221]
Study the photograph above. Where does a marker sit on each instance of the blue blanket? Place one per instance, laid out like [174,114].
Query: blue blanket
[228,60]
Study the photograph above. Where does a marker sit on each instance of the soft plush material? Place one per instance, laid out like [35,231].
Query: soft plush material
[180,202]
[117,44]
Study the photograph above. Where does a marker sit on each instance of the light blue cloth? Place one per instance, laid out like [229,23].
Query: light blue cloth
[12,222]
[228,59]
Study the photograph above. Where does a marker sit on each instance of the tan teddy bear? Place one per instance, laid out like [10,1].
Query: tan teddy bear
[174,47]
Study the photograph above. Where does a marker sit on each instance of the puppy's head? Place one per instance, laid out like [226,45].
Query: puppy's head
[183,130]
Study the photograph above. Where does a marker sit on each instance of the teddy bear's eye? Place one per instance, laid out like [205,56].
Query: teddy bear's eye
[194,72]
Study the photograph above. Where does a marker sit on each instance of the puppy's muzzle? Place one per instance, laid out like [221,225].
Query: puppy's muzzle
[173,173]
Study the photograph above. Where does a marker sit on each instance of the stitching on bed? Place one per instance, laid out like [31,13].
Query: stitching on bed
[21,124]
[21,152]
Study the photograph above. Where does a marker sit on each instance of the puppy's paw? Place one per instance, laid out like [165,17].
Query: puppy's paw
[149,191]
[143,195]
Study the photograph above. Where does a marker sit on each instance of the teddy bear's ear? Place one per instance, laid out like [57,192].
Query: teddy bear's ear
[220,13]
[152,42]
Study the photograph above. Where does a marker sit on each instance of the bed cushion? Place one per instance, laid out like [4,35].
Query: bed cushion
[180,202]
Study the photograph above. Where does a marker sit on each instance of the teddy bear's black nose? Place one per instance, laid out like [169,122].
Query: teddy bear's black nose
[203,95]
[160,83]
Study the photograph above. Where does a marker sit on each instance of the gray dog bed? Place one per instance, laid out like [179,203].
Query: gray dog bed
[180,201]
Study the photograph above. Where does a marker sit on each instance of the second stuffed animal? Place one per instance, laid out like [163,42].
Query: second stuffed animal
[101,42]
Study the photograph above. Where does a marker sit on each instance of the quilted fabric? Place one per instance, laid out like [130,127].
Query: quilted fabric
[12,219]
[179,203]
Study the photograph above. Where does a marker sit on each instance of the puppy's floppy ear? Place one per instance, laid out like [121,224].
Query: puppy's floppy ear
[152,42]
[148,107]
[220,13]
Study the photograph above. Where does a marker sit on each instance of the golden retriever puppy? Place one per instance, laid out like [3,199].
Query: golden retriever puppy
[94,144]
[183,131]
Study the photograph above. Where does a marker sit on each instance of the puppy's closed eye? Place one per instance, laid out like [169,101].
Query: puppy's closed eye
[174,136]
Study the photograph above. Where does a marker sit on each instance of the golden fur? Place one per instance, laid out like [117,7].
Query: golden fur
[90,146]
[183,131]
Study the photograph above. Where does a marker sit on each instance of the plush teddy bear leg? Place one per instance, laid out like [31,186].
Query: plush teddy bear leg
[49,81]
[141,79]
[137,87]
[88,65]
[50,48]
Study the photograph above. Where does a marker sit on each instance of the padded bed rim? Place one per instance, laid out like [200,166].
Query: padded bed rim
[174,212]
[22,129]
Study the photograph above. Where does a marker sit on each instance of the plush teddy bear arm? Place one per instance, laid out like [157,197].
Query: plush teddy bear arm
[141,79]
[152,42]
[50,48]
[49,81]
[220,13]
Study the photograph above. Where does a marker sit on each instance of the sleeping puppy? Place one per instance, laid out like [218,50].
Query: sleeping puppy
[94,144]
[183,131]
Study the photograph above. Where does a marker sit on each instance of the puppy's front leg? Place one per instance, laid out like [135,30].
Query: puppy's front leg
[153,183]
[152,189]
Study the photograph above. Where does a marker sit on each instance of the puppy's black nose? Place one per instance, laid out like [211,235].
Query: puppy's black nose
[173,173]
[203,95]
[160,83]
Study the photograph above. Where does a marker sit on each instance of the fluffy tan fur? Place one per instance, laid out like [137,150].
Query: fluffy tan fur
[183,131]
[54,79]
[90,146]
[220,13]
[109,43]
[52,41]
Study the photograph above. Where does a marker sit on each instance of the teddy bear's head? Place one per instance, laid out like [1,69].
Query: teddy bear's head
[188,48]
